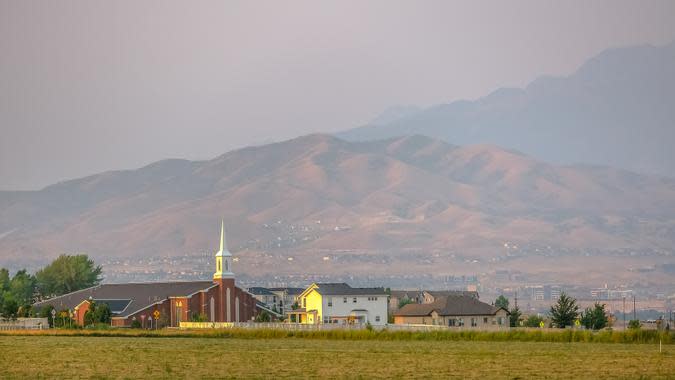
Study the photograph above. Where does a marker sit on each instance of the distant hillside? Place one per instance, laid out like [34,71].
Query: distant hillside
[618,110]
[318,194]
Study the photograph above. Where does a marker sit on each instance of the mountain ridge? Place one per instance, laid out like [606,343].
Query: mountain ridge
[318,193]
[617,109]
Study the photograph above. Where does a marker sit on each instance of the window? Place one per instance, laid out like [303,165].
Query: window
[304,301]
[354,300]
[377,318]
[485,320]
[452,322]
[344,300]
[330,302]
[325,319]
[460,322]
[474,323]
[500,321]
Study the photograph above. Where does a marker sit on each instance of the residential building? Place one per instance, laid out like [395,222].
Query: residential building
[340,303]
[286,298]
[460,311]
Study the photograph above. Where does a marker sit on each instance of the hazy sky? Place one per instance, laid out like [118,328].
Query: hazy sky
[87,86]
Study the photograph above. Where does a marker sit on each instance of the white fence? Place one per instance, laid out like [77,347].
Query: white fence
[330,326]
[25,324]
[270,325]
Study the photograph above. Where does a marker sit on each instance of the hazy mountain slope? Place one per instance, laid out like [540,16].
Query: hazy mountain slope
[618,109]
[317,192]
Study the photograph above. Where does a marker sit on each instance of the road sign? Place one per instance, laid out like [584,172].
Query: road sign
[156,314]
[53,312]
[577,323]
[541,324]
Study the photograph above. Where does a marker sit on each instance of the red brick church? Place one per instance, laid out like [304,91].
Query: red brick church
[167,303]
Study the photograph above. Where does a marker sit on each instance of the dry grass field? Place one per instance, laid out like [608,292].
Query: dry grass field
[68,357]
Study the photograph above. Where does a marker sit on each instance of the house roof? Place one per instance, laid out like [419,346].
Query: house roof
[405,293]
[449,306]
[446,293]
[260,291]
[342,289]
[290,291]
[139,295]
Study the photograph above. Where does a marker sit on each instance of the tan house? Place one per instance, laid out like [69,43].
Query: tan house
[454,311]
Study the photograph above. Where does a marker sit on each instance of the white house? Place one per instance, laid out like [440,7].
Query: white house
[342,304]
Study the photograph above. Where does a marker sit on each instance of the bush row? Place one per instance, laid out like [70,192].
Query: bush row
[607,336]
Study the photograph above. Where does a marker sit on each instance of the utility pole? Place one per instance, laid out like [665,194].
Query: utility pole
[634,311]
[624,312]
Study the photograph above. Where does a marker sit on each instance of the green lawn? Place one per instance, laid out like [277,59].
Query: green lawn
[67,357]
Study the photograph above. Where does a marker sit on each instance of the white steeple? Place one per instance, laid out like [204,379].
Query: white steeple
[223,258]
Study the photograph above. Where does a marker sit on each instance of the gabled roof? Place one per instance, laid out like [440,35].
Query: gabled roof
[290,291]
[140,295]
[405,293]
[260,291]
[446,293]
[449,306]
[342,289]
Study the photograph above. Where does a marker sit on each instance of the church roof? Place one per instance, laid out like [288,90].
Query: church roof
[138,295]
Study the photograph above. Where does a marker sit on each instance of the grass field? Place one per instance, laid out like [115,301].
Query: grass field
[40,356]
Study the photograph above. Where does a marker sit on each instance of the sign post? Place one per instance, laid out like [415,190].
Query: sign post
[53,318]
[157,315]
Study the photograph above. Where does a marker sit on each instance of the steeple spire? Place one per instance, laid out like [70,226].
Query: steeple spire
[222,235]
[223,257]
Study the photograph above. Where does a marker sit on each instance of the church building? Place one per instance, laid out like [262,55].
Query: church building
[167,303]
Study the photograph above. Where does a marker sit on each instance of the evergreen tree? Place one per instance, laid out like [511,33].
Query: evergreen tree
[503,302]
[565,311]
[514,317]
[594,318]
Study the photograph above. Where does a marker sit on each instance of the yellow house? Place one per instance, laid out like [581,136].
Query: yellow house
[340,303]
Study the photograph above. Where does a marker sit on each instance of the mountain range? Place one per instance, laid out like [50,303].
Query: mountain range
[617,109]
[397,200]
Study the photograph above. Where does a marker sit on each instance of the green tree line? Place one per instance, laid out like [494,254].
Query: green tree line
[66,274]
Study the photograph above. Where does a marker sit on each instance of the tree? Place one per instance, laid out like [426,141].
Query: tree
[514,316]
[565,311]
[404,302]
[22,288]
[67,274]
[594,318]
[533,321]
[634,324]
[4,280]
[263,317]
[502,302]
[97,313]
[10,308]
